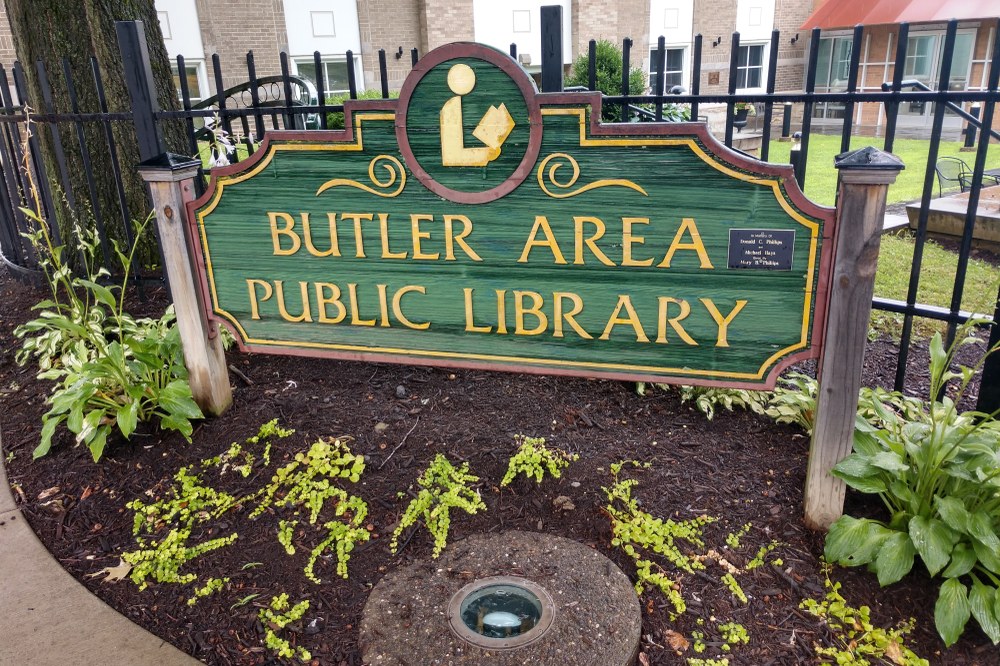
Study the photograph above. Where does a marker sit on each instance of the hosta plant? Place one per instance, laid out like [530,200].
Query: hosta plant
[938,474]
[112,371]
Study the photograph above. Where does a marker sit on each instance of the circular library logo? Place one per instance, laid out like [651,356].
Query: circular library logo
[469,127]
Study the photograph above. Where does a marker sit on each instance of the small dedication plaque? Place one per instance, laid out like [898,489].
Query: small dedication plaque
[767,249]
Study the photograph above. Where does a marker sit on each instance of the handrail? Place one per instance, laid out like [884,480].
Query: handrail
[951,106]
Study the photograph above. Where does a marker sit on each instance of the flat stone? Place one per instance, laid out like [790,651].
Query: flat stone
[597,617]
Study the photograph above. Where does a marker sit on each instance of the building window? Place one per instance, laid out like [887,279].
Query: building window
[750,66]
[833,67]
[193,75]
[673,69]
[335,81]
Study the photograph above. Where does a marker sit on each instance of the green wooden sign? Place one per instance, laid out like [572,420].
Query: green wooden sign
[476,222]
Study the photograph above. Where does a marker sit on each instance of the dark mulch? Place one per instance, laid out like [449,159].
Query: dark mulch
[738,467]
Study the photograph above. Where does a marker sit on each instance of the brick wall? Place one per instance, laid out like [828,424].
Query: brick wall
[788,16]
[444,21]
[389,24]
[7,55]
[718,19]
[712,20]
[596,19]
[233,27]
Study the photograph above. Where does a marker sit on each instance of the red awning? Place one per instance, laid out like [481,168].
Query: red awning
[848,13]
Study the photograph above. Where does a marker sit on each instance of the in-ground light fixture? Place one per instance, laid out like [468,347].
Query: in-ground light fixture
[501,612]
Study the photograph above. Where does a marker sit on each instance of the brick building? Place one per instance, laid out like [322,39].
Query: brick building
[197,29]
[924,50]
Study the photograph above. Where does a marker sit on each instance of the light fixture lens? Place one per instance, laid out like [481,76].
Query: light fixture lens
[500,611]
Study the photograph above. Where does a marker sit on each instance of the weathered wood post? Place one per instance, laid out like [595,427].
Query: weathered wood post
[171,184]
[865,176]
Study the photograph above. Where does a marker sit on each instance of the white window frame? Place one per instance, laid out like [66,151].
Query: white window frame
[199,65]
[684,70]
[764,53]
[338,58]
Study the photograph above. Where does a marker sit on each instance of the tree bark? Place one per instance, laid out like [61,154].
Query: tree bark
[51,31]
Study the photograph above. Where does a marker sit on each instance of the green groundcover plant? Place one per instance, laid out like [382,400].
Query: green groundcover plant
[112,371]
[937,470]
[533,458]
[443,487]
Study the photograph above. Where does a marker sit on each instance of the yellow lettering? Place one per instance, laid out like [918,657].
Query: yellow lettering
[322,300]
[628,239]
[252,287]
[303,294]
[675,322]
[397,310]
[624,302]
[559,315]
[450,239]
[359,243]
[383,225]
[501,312]
[419,235]
[383,305]
[469,325]
[722,322]
[287,231]
[356,320]
[542,225]
[536,310]
[591,243]
[687,225]
[334,250]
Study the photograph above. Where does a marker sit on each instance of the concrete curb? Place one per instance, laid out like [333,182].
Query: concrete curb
[47,618]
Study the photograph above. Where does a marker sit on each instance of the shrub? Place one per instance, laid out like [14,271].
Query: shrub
[335,119]
[938,473]
[110,369]
[609,76]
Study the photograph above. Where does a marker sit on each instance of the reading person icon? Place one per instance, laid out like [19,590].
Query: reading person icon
[493,129]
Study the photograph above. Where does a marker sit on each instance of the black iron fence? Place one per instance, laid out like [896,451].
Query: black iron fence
[230,125]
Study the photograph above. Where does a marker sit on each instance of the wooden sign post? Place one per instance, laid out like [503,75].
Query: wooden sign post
[475,222]
[865,176]
[171,181]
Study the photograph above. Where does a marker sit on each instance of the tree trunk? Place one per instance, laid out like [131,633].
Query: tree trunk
[51,31]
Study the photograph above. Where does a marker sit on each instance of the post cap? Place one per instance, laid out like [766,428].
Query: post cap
[868,158]
[168,167]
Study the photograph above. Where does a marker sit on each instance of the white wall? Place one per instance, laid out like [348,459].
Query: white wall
[500,24]
[755,20]
[673,19]
[327,26]
[181,32]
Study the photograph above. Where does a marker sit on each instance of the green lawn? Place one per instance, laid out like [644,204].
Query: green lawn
[937,277]
[821,176]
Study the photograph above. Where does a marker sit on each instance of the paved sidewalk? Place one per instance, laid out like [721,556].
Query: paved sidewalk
[49,619]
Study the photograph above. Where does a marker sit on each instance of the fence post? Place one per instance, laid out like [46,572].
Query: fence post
[786,123]
[795,157]
[865,176]
[552,48]
[141,87]
[171,182]
[970,130]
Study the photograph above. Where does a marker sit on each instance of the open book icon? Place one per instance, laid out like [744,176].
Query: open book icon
[494,127]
